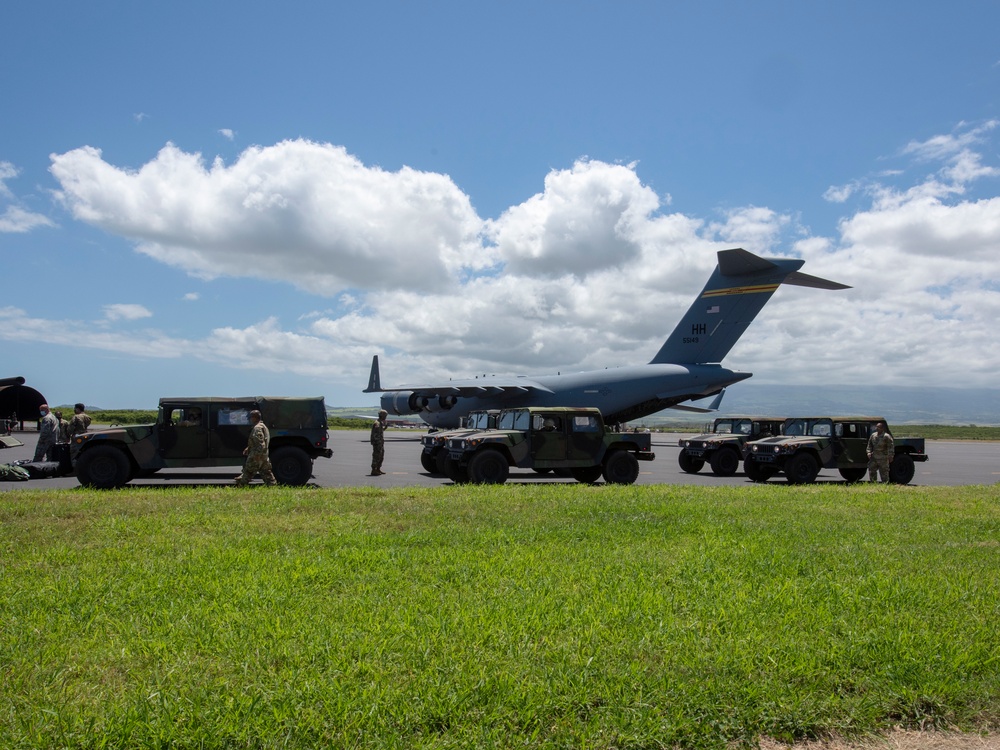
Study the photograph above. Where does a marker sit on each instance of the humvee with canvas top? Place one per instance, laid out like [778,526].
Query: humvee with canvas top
[808,444]
[722,448]
[205,432]
[549,438]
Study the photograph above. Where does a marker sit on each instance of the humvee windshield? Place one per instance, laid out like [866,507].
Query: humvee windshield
[480,420]
[519,419]
[812,427]
[732,427]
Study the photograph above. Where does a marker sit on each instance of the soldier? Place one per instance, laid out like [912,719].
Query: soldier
[256,452]
[378,443]
[881,451]
[80,422]
[48,433]
[63,427]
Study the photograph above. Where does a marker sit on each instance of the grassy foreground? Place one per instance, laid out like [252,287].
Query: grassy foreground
[556,616]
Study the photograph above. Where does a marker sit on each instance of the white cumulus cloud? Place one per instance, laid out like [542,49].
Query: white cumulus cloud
[126,311]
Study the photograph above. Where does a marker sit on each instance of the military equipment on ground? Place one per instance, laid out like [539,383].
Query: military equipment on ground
[205,432]
[560,439]
[686,368]
[434,456]
[722,448]
[808,444]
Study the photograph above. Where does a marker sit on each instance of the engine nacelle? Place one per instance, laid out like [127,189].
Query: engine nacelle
[399,403]
[436,403]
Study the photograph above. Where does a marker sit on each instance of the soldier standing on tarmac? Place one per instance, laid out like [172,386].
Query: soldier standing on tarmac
[256,453]
[48,433]
[80,422]
[881,451]
[378,443]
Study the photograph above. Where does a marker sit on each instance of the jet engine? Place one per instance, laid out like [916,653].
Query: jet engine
[432,403]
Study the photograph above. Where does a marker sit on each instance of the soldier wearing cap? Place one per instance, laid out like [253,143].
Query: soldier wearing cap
[80,422]
[257,461]
[378,443]
[881,451]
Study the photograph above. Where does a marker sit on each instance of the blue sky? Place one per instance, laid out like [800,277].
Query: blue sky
[238,198]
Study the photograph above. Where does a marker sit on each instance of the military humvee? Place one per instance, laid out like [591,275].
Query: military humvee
[209,431]
[549,438]
[434,455]
[808,444]
[722,448]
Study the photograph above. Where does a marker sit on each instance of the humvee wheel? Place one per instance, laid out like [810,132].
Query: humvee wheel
[757,472]
[853,475]
[291,465]
[689,464]
[429,462]
[103,467]
[725,462]
[488,467]
[801,469]
[902,469]
[455,472]
[587,474]
[621,467]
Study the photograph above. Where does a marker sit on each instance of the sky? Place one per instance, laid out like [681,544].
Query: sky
[248,198]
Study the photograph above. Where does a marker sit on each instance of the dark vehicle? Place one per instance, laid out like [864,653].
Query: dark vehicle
[808,444]
[434,456]
[559,439]
[205,432]
[722,448]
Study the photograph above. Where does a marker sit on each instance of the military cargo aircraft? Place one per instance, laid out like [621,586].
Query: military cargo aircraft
[686,368]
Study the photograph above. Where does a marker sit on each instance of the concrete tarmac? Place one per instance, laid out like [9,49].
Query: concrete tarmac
[951,463]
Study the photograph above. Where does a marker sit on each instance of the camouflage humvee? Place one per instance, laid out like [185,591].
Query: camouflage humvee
[434,457]
[208,431]
[808,444]
[559,439]
[722,448]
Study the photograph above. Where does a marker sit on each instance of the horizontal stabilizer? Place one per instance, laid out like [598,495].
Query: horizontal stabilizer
[797,278]
[714,406]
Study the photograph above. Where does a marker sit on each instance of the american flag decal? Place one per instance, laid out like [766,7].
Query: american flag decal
[713,309]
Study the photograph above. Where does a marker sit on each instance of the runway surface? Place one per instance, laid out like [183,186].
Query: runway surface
[951,463]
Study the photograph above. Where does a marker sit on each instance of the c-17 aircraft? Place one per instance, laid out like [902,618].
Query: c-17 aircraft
[685,368]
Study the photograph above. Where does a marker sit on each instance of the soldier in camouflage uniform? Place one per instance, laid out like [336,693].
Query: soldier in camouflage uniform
[378,443]
[63,428]
[48,433]
[881,451]
[256,452]
[80,422]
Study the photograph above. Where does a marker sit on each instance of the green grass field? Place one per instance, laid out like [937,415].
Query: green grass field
[541,616]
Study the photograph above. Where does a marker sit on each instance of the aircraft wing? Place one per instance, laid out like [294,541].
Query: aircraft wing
[468,387]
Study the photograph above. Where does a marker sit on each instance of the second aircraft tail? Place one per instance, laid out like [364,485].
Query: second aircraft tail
[738,289]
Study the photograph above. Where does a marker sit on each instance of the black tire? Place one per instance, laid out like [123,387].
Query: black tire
[442,459]
[725,462]
[902,469]
[621,467]
[291,465]
[488,467]
[801,469]
[587,474]
[103,467]
[689,464]
[456,473]
[853,475]
[429,461]
[756,471]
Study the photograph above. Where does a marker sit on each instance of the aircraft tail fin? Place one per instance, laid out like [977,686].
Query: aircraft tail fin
[374,379]
[738,289]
